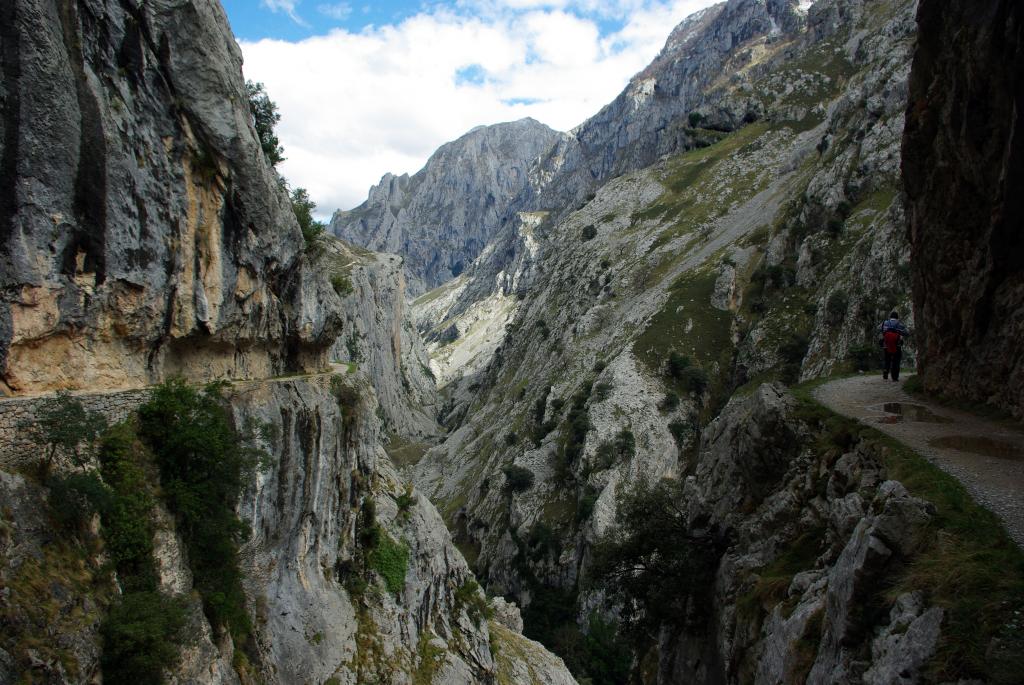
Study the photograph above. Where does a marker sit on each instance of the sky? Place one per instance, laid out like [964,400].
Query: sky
[369,88]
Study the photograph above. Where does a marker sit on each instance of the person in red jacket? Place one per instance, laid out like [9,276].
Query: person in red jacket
[891,332]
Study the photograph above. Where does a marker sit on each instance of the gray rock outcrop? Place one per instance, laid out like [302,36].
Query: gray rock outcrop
[442,217]
[142,232]
[380,341]
[963,166]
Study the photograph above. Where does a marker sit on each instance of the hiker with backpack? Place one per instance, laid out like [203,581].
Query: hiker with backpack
[891,334]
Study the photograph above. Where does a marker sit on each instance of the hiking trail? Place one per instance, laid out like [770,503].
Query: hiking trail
[986,455]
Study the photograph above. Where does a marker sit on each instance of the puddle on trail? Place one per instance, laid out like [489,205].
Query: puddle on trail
[897,412]
[977,444]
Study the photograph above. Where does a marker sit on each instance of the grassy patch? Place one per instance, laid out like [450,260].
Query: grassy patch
[684,175]
[40,610]
[390,559]
[774,580]
[971,568]
[429,659]
[688,325]
[470,597]
[405,452]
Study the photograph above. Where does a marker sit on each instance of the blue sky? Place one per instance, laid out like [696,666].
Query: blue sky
[252,20]
[368,88]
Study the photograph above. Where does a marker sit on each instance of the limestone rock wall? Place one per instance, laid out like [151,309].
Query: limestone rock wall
[963,166]
[380,341]
[443,216]
[142,232]
[303,512]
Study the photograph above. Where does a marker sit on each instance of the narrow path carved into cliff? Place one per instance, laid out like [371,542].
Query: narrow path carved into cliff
[986,455]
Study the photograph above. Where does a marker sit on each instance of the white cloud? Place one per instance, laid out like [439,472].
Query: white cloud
[337,10]
[286,6]
[356,105]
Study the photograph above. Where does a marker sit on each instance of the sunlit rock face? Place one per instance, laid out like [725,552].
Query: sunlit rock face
[963,165]
[142,232]
[441,218]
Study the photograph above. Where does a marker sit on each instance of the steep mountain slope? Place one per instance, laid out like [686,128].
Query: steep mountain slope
[770,251]
[441,218]
[647,120]
[964,164]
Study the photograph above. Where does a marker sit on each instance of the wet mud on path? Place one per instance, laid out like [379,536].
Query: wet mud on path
[986,455]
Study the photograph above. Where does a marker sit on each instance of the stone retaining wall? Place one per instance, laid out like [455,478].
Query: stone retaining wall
[16,446]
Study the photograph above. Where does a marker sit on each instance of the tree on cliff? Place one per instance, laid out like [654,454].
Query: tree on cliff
[312,230]
[63,424]
[265,117]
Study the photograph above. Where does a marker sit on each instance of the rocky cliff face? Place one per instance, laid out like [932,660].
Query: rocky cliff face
[963,164]
[441,218]
[787,504]
[316,613]
[380,342]
[143,236]
[142,232]
[305,516]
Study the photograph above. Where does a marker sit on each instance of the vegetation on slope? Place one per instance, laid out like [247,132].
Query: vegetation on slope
[970,566]
[204,465]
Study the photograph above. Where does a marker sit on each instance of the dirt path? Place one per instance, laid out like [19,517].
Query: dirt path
[987,456]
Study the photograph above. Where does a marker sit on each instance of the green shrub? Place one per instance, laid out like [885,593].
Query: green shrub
[602,391]
[204,465]
[347,398]
[511,438]
[865,357]
[63,424]
[577,426]
[127,521]
[835,307]
[625,444]
[265,117]
[676,365]
[670,401]
[517,478]
[654,564]
[469,597]
[680,431]
[695,118]
[141,635]
[585,507]
[608,659]
[391,560]
[694,379]
[589,232]
[542,542]
[794,349]
[75,498]
[313,231]
[406,500]
[790,374]
[342,284]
